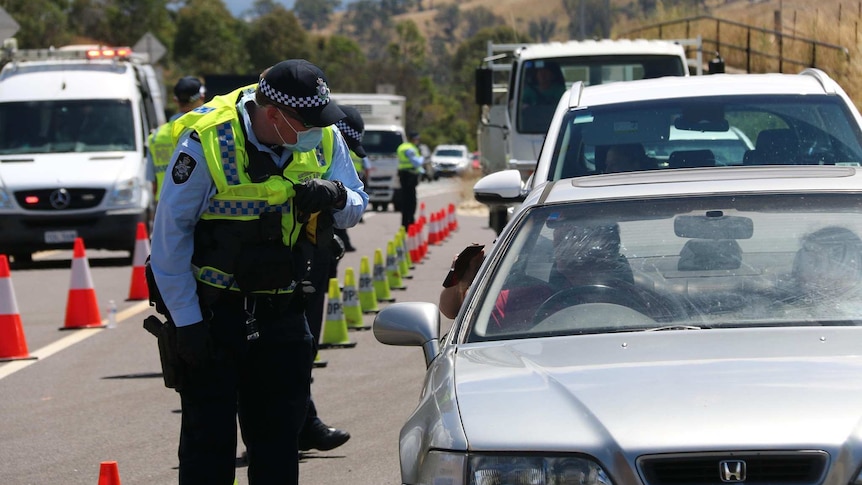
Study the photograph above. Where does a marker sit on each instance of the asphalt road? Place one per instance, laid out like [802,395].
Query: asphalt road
[96,395]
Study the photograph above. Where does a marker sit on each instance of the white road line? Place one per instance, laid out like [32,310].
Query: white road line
[77,335]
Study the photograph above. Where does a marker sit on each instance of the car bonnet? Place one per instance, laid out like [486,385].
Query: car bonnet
[649,391]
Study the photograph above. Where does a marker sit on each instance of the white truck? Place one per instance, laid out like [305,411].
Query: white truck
[514,119]
[73,163]
[384,116]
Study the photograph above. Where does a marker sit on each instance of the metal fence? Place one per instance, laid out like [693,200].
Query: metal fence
[750,48]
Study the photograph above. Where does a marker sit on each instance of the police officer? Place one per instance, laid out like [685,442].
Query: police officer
[409,168]
[315,434]
[231,248]
[189,93]
[352,127]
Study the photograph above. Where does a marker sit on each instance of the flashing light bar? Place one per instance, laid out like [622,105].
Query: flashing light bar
[109,53]
[89,52]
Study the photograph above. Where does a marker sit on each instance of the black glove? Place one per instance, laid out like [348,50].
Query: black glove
[193,344]
[316,195]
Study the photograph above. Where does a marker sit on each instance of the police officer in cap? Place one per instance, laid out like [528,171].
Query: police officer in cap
[410,161]
[232,242]
[189,93]
[352,127]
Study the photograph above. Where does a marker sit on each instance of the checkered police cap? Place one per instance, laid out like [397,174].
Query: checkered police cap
[352,126]
[300,85]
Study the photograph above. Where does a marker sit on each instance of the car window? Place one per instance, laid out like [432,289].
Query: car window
[703,262]
[709,131]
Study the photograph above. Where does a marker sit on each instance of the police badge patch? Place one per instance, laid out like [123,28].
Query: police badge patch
[183,168]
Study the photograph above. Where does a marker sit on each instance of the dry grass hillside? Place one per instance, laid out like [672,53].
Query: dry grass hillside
[829,21]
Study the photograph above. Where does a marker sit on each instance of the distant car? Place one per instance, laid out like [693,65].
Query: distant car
[697,121]
[696,326]
[449,160]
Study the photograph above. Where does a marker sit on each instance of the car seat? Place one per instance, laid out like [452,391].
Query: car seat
[710,254]
[691,158]
[774,147]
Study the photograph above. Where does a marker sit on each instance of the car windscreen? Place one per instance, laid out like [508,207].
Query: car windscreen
[66,126]
[704,262]
[707,131]
[449,153]
[545,80]
[379,142]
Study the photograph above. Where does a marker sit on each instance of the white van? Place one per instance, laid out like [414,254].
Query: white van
[73,128]
[384,116]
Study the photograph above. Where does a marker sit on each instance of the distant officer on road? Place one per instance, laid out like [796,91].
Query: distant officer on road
[189,93]
[231,249]
[409,168]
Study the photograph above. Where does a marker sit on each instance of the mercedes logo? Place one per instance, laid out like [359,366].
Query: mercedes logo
[60,199]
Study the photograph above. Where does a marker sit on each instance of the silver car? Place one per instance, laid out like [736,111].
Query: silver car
[694,326]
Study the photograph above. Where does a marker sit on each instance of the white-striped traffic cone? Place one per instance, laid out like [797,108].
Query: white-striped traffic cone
[82,308]
[13,345]
[138,289]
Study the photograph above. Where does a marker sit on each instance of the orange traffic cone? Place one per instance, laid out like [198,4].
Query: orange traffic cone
[432,230]
[138,290]
[82,308]
[13,346]
[453,218]
[109,474]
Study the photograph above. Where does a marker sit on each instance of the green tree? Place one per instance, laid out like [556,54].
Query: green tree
[315,13]
[366,22]
[274,37]
[42,22]
[447,19]
[344,63]
[479,18]
[588,18]
[209,40]
[543,30]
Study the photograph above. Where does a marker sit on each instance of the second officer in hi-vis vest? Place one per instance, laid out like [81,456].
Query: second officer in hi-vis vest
[232,243]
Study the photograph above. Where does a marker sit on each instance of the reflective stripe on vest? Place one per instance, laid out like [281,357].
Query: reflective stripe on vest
[224,281]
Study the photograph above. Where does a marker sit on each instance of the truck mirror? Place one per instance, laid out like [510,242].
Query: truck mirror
[716,64]
[484,86]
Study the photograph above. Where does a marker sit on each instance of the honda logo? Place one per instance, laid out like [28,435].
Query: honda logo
[60,199]
[732,471]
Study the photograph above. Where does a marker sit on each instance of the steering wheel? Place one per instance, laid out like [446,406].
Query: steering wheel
[620,293]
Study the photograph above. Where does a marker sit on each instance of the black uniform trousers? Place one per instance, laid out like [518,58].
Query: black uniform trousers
[325,267]
[265,382]
[409,180]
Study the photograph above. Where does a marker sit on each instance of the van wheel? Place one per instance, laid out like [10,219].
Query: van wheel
[22,258]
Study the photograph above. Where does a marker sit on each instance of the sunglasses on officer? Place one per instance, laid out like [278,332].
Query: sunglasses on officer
[293,114]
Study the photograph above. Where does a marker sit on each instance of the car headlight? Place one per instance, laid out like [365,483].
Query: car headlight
[461,469]
[125,193]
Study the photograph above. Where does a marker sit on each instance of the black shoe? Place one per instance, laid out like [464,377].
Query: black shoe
[321,437]
[349,249]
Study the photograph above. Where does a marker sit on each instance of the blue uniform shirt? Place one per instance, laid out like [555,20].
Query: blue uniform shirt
[181,207]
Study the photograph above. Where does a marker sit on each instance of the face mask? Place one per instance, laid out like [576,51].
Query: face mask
[305,141]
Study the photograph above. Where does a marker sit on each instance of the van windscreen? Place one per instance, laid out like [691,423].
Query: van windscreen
[66,126]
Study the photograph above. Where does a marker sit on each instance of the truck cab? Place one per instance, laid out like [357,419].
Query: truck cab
[519,86]
[73,163]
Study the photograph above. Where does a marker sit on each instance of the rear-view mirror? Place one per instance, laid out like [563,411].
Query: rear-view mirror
[713,225]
